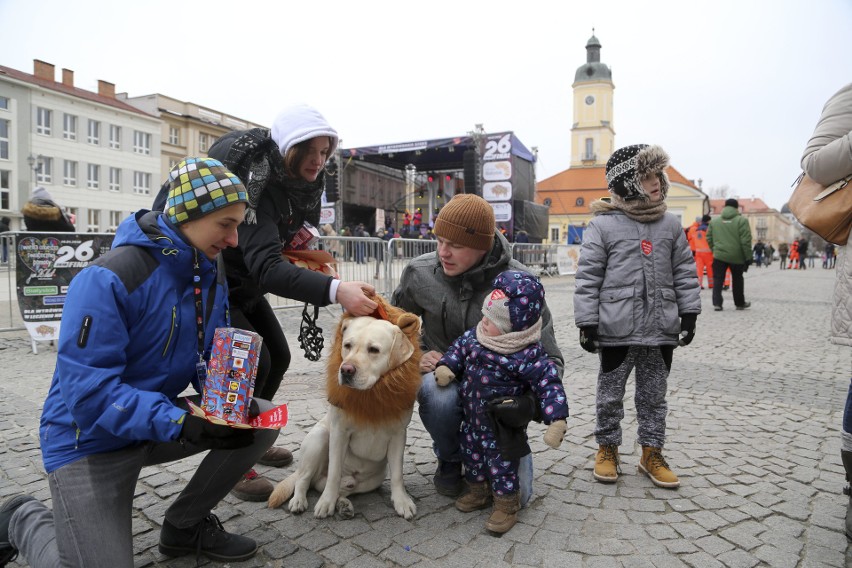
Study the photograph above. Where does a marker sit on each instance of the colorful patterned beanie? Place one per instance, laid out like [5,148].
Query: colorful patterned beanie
[199,186]
[627,166]
[516,302]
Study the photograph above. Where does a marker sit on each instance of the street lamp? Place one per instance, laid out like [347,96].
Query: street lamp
[35,163]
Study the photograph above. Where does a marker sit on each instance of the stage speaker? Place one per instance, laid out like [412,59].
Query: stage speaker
[471,172]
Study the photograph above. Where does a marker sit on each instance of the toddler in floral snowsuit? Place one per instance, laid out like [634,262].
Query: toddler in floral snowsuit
[502,357]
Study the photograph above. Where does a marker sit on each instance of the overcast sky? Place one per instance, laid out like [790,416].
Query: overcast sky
[732,89]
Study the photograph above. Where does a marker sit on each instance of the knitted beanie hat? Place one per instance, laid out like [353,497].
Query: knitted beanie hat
[627,166]
[199,186]
[516,302]
[298,123]
[467,220]
[41,193]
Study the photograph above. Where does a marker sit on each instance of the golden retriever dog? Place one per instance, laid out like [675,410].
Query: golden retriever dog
[372,381]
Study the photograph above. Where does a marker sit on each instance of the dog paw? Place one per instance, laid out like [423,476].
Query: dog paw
[345,509]
[405,507]
[298,504]
[324,508]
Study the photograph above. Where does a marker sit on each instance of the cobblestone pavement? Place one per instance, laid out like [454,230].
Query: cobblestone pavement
[755,407]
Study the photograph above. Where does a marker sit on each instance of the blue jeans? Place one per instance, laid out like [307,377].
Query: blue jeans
[441,413]
[91,521]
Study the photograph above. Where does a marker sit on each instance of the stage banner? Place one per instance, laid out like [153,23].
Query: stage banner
[46,263]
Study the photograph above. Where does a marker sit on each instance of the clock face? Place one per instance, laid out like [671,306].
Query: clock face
[590,100]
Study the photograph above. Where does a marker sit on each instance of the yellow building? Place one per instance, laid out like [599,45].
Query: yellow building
[570,192]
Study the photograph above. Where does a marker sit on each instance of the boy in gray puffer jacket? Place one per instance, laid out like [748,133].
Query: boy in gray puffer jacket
[636,299]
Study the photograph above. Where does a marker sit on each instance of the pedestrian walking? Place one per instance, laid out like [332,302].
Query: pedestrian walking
[636,298]
[701,250]
[729,235]
[783,249]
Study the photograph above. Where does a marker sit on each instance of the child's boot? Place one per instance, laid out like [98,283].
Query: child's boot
[478,497]
[847,465]
[504,515]
[654,465]
[606,464]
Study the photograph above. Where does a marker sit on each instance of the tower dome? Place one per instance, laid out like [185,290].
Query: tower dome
[593,69]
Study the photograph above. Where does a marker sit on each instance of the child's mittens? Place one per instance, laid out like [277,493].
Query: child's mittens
[555,433]
[444,376]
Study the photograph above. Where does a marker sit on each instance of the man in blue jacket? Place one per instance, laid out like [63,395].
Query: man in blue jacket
[137,329]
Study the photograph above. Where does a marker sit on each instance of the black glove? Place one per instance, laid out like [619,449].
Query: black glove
[687,329]
[589,339]
[254,409]
[747,264]
[204,434]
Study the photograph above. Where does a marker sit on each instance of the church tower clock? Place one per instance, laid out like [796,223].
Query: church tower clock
[592,133]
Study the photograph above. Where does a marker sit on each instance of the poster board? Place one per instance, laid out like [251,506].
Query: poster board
[46,263]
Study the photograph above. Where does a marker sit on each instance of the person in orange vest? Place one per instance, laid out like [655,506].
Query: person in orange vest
[690,238]
[701,251]
[794,253]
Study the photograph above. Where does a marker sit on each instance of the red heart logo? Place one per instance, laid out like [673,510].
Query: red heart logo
[647,247]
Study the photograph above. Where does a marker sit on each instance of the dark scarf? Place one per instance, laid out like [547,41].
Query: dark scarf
[259,164]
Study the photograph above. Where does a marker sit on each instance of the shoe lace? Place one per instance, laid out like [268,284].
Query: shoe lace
[656,459]
[209,525]
[610,454]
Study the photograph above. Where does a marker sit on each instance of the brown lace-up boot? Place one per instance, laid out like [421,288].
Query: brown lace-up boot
[606,464]
[478,497]
[654,465]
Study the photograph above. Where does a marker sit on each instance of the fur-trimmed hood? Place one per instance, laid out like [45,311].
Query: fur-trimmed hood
[627,166]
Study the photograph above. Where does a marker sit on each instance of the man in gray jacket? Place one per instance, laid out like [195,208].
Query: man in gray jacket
[446,289]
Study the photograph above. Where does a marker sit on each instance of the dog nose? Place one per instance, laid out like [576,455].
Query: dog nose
[347,374]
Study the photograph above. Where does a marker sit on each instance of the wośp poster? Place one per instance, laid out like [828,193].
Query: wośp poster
[46,263]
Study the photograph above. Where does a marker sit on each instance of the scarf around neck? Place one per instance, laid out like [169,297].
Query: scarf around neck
[641,210]
[511,342]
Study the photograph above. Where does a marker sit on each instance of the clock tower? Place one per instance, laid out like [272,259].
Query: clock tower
[592,133]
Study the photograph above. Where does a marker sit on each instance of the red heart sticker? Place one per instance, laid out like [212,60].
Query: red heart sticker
[647,247]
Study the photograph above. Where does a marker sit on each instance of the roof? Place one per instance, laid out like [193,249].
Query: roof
[69,90]
[564,188]
[750,205]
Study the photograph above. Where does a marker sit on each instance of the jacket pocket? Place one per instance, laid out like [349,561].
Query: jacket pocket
[669,319]
[616,311]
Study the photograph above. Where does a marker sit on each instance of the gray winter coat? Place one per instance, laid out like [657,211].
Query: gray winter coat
[449,306]
[634,280]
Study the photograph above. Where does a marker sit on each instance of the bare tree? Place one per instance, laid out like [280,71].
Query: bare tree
[719,192]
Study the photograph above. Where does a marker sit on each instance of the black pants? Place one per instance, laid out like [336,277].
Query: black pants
[719,269]
[274,353]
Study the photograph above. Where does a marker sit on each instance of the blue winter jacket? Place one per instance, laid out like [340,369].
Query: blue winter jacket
[128,343]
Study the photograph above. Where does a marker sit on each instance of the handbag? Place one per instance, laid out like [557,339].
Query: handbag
[825,210]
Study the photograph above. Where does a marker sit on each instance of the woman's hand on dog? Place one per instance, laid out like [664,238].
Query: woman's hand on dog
[355,298]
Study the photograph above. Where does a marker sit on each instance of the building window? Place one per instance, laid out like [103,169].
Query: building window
[141,183]
[94,221]
[203,142]
[44,170]
[5,176]
[94,132]
[114,137]
[43,120]
[94,175]
[69,127]
[115,179]
[114,220]
[4,104]
[142,143]
[554,234]
[4,139]
[590,149]
[69,173]
[174,135]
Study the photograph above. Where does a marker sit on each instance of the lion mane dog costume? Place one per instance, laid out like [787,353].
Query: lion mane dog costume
[372,380]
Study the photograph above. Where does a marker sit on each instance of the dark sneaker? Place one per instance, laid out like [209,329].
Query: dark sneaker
[745,306]
[7,551]
[276,457]
[208,538]
[448,478]
[717,308]
[252,487]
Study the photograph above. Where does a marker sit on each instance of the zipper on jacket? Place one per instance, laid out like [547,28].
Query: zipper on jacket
[171,331]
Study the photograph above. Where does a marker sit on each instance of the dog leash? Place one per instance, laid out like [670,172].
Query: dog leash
[310,334]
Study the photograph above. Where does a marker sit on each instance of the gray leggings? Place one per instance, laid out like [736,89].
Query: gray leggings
[90,525]
[652,366]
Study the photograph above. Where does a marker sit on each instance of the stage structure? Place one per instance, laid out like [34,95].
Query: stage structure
[422,176]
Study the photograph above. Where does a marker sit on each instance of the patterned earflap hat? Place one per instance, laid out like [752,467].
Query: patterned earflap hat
[627,166]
